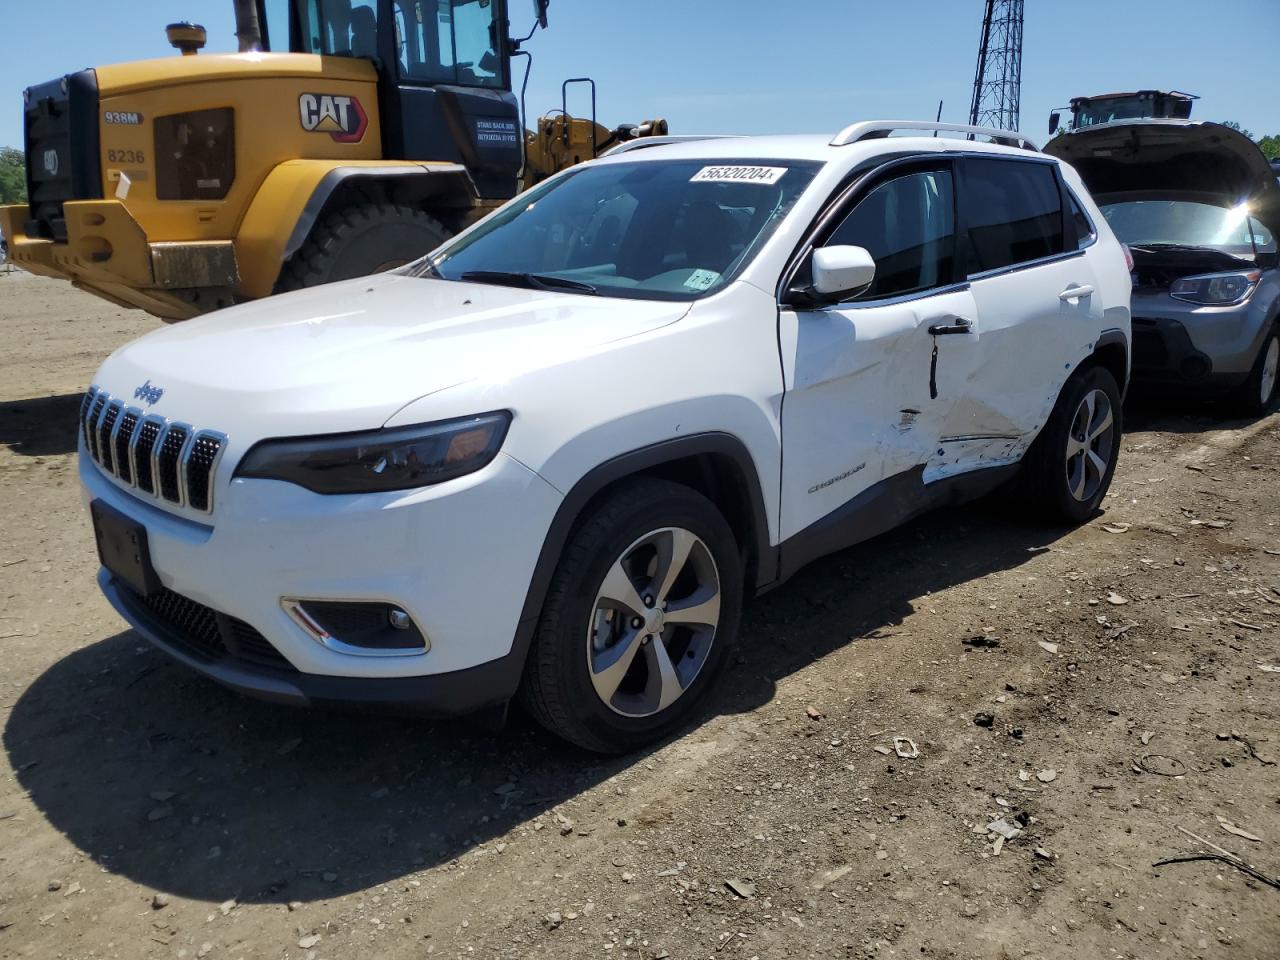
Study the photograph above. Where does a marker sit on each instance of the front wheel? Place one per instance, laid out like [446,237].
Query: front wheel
[1069,467]
[1255,395]
[361,239]
[639,618]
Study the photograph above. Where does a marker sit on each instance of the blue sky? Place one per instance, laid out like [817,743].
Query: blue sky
[764,66]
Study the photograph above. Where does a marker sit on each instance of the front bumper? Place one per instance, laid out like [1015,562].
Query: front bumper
[1178,344]
[108,254]
[438,695]
[458,558]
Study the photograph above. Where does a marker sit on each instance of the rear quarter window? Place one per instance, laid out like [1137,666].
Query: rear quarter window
[1013,211]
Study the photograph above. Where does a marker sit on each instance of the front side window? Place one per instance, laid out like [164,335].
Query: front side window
[449,41]
[1014,212]
[1085,234]
[662,230]
[907,224]
[1184,223]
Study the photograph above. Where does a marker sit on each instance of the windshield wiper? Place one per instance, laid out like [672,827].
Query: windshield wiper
[1165,246]
[535,281]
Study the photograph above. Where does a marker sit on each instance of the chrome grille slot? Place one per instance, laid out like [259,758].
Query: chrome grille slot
[171,461]
[200,460]
[121,441]
[105,426]
[85,404]
[167,457]
[91,424]
[143,446]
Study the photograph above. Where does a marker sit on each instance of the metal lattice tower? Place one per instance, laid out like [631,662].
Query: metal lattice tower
[997,83]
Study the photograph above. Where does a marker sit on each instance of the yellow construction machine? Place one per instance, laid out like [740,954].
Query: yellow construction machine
[346,137]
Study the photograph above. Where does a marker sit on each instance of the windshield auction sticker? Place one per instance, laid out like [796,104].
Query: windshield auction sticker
[765,175]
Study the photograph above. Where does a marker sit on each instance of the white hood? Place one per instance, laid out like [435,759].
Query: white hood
[349,355]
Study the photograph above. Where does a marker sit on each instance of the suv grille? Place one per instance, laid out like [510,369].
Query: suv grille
[170,461]
[201,632]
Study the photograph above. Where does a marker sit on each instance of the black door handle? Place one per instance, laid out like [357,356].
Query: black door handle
[956,325]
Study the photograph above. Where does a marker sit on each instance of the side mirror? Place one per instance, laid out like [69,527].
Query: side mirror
[1054,118]
[841,272]
[540,10]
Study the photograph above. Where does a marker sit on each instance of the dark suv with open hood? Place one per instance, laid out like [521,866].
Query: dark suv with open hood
[1199,207]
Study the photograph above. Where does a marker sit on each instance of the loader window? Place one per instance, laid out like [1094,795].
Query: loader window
[449,41]
[344,28]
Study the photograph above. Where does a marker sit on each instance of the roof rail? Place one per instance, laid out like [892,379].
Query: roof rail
[875,129]
[641,143]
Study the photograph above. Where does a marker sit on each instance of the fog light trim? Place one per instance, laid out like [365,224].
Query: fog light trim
[311,624]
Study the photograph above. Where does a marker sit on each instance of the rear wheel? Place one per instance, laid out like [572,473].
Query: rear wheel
[361,239]
[640,615]
[1255,394]
[1069,468]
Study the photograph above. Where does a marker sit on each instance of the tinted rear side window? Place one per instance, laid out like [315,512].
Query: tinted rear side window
[1014,212]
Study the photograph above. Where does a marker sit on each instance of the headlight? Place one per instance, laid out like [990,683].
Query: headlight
[1216,289]
[379,460]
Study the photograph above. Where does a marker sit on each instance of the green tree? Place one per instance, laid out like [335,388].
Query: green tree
[1239,129]
[13,177]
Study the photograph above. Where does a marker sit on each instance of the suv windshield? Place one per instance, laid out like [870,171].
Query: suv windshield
[658,230]
[1141,223]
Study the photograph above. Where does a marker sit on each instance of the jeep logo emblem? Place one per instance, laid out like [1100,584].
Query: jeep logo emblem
[341,117]
[51,162]
[148,394]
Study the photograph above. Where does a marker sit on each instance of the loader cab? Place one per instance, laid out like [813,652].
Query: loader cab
[444,75]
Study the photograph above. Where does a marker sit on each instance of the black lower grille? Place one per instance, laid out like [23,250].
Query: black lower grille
[202,632]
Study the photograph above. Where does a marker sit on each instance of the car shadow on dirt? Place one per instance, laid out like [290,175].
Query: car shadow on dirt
[181,786]
[41,426]
[1183,414]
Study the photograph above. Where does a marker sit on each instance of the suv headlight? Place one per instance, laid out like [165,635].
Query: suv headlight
[401,458]
[1216,289]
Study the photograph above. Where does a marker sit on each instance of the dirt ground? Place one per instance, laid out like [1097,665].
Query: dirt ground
[1129,669]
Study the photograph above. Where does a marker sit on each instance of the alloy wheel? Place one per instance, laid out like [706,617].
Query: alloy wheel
[1090,445]
[1270,366]
[654,622]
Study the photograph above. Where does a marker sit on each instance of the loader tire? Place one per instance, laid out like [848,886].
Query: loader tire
[358,240]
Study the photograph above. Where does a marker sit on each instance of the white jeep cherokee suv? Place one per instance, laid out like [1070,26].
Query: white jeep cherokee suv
[554,459]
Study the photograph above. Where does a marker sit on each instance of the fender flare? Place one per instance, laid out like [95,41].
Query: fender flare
[297,191]
[1115,337]
[629,464]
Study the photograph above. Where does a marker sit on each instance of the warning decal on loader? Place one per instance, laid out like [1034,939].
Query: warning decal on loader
[341,117]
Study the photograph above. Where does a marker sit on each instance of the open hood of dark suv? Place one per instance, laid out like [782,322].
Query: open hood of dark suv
[1173,157]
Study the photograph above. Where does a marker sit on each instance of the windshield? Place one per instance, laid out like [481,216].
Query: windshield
[1185,223]
[1104,111]
[660,230]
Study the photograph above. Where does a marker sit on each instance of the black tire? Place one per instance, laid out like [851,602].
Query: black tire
[558,687]
[1047,477]
[1248,400]
[360,239]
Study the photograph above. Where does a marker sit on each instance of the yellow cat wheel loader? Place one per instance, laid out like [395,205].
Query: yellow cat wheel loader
[346,137]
